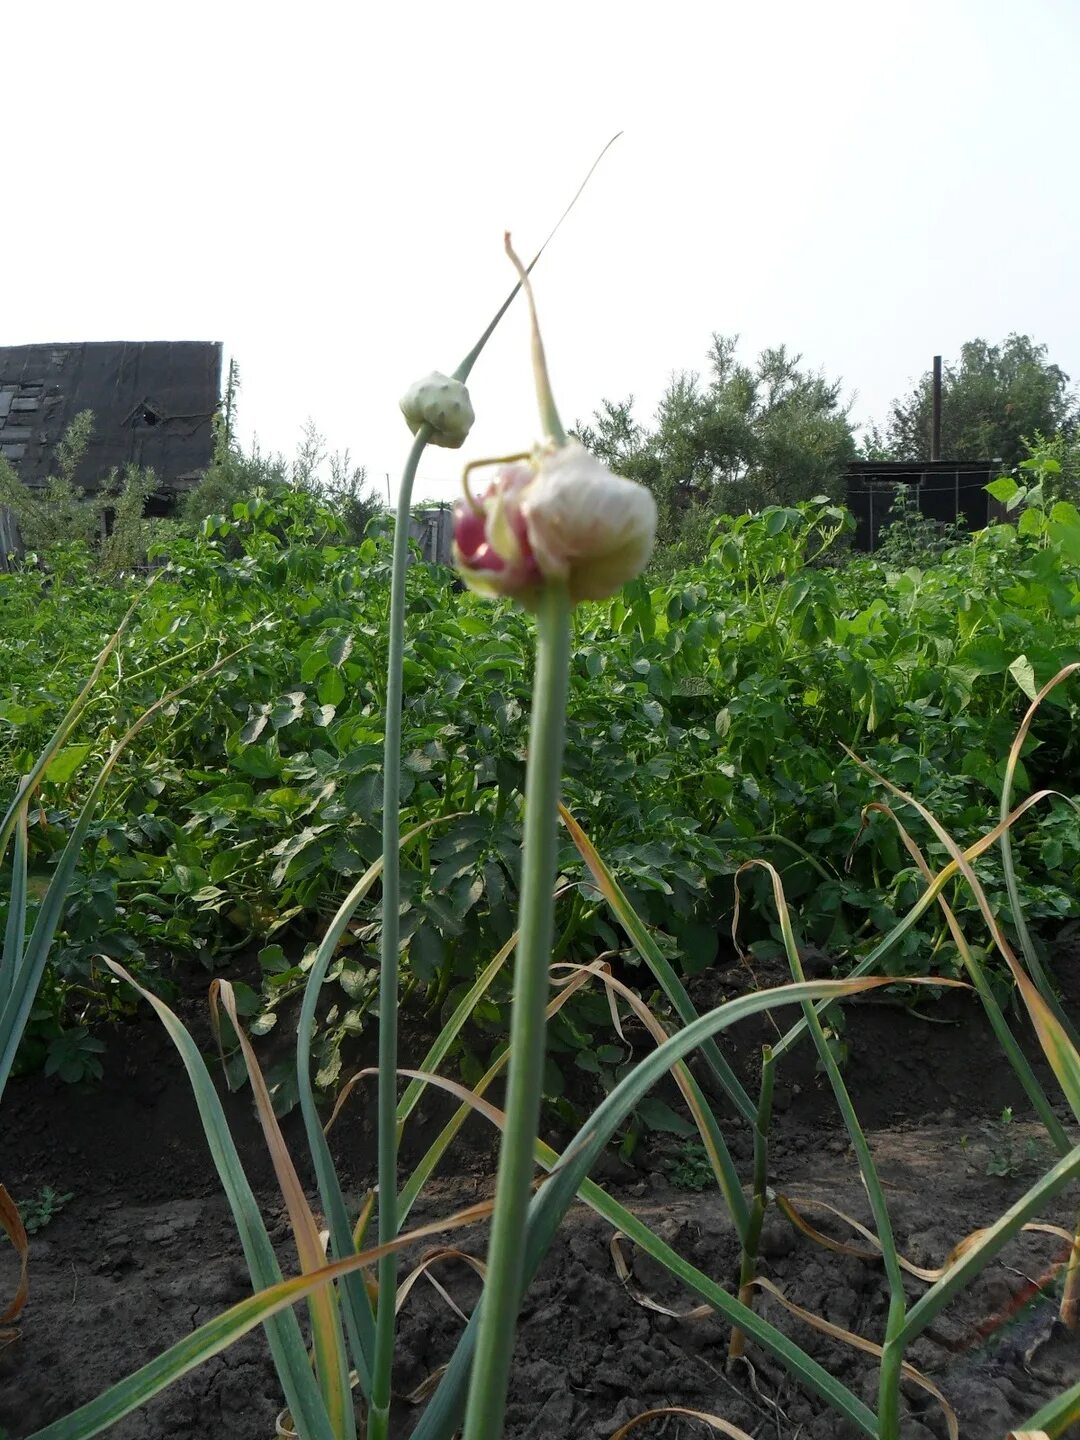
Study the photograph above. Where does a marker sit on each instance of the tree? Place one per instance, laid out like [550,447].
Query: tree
[738,439]
[235,475]
[995,397]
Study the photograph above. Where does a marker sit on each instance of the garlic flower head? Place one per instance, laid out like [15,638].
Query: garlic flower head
[560,516]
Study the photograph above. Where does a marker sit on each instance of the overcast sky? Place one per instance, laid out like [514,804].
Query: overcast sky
[325,187]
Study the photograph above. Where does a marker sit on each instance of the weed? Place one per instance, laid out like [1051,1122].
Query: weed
[40,1210]
[1009,1157]
[692,1170]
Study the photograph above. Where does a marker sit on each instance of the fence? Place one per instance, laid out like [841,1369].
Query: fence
[10,540]
[945,490]
[433,531]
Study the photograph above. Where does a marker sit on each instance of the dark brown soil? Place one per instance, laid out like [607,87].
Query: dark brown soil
[145,1250]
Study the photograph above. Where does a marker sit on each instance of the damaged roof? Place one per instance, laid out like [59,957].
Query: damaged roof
[153,404]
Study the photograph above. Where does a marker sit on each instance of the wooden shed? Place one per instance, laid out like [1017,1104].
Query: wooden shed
[153,404]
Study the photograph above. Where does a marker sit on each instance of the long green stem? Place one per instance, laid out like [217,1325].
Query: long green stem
[379,1413]
[752,1238]
[506,1252]
[893,1353]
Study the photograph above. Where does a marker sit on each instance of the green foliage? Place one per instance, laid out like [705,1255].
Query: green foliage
[39,1210]
[61,515]
[741,439]
[1041,494]
[912,538]
[991,400]
[1010,1157]
[692,1170]
[105,528]
[331,481]
[707,720]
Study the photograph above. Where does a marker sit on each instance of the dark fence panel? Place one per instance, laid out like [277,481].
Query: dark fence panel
[433,530]
[945,490]
[10,540]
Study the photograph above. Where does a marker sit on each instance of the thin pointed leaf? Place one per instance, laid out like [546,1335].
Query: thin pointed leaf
[870,961]
[328,1343]
[1000,1026]
[464,369]
[868,1347]
[422,1172]
[265,1308]
[15,928]
[442,1419]
[1055,1418]
[443,1414]
[1023,934]
[982,1250]
[450,1031]
[1053,1037]
[359,1317]
[826,1059]
[283,1332]
[650,952]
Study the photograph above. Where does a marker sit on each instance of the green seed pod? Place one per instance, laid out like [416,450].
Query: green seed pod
[444,404]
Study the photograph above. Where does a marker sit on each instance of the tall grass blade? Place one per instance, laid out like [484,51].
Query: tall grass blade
[266,1308]
[873,959]
[356,1302]
[1058,1048]
[888,1400]
[716,1149]
[1023,934]
[453,1027]
[1005,1038]
[423,1171]
[11,956]
[328,1343]
[868,1347]
[1055,1418]
[751,1236]
[283,1332]
[440,1423]
[650,952]
[982,1249]
[552,1201]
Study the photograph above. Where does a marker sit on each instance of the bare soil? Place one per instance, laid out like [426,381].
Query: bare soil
[145,1250]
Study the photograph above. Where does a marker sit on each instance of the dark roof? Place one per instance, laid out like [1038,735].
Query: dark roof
[153,404]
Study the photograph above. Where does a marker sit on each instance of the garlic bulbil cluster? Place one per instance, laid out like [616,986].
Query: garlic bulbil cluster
[443,403]
[559,516]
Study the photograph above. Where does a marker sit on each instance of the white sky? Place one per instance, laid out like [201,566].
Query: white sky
[324,187]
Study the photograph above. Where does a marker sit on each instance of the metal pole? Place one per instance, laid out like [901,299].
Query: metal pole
[935,412]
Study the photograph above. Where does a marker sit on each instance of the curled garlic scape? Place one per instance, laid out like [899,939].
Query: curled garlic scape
[558,514]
